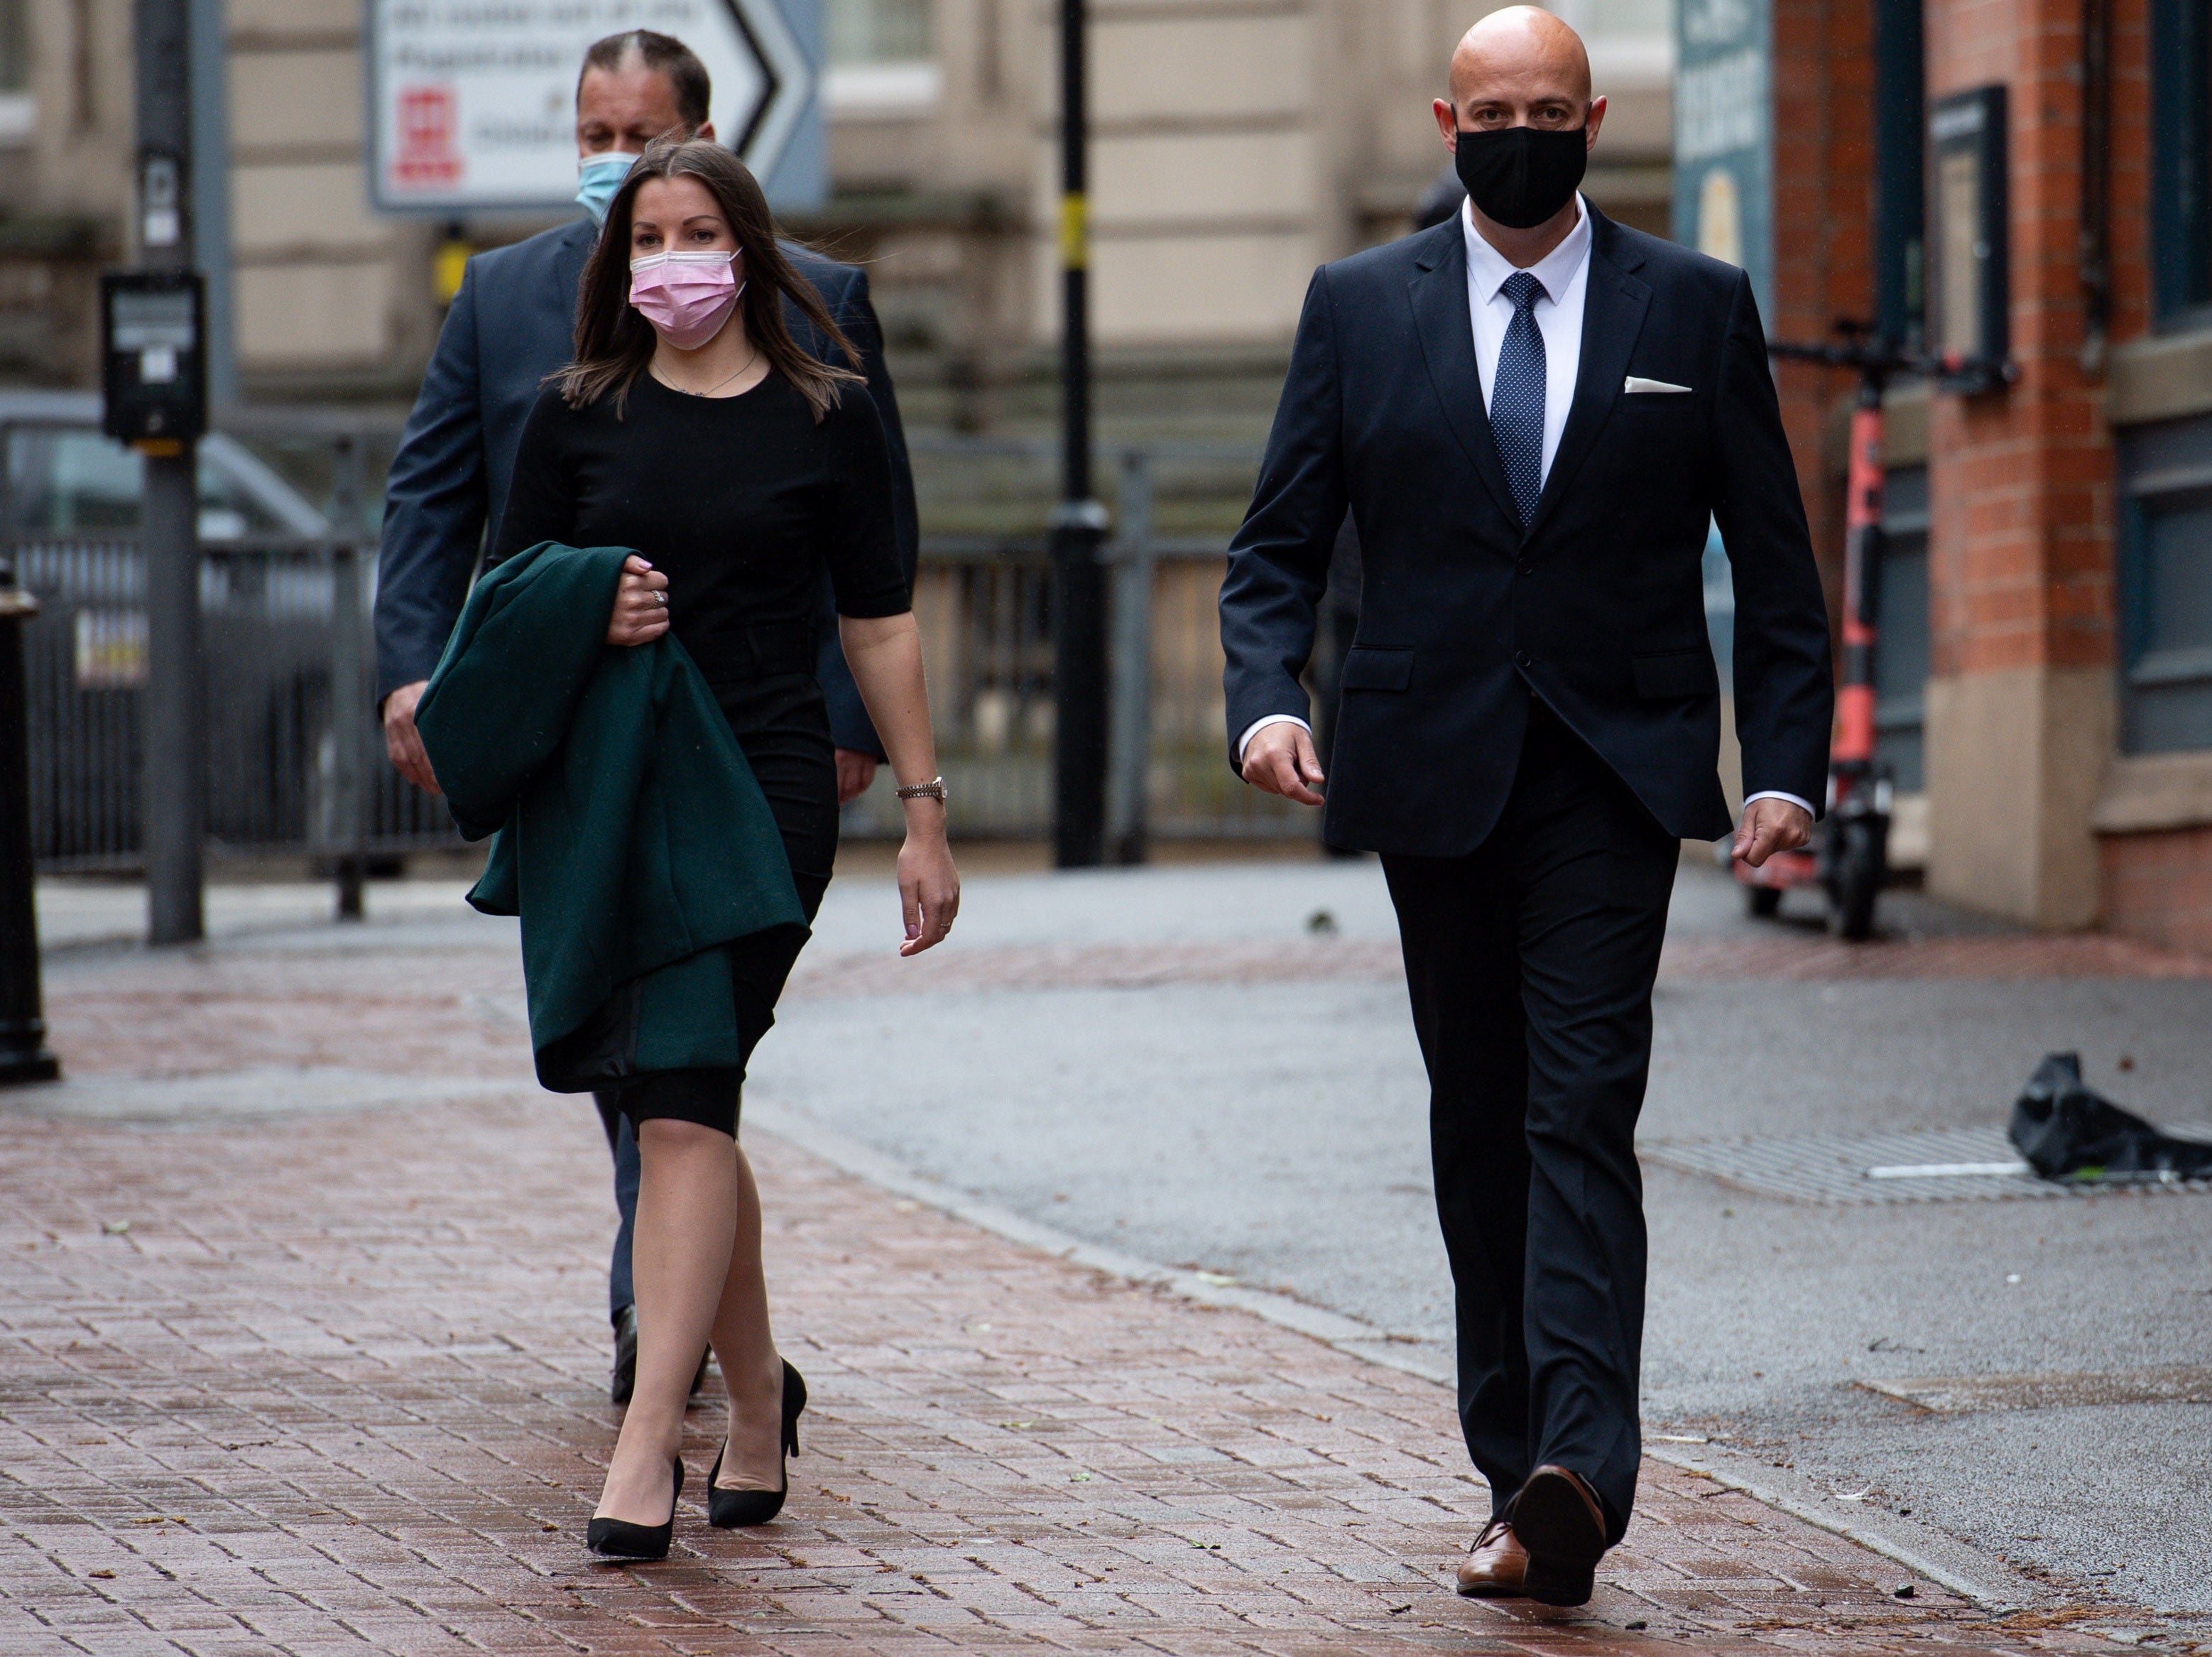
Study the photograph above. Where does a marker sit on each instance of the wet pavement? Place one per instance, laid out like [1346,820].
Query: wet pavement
[1259,1112]
[344,1359]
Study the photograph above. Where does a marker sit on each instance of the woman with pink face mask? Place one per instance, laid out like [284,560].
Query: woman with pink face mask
[693,428]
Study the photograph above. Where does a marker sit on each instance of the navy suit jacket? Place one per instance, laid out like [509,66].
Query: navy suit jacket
[512,323]
[1597,606]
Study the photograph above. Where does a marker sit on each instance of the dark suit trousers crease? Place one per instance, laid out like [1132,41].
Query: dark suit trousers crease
[1530,963]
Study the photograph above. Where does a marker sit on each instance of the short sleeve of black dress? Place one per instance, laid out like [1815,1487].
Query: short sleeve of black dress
[862,545]
[743,503]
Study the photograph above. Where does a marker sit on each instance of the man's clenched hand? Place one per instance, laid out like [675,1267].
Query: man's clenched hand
[1771,825]
[1280,758]
[855,771]
[400,740]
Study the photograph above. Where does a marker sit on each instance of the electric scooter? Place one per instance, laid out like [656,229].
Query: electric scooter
[1850,857]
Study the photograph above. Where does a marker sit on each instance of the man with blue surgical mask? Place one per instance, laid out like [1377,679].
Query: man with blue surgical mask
[512,324]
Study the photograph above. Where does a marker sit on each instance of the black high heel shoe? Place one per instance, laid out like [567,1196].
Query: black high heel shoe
[729,1510]
[617,1539]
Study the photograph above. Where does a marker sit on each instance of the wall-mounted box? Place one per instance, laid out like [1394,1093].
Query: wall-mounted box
[154,372]
[1970,276]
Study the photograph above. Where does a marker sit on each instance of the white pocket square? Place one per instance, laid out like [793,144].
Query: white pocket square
[1635,384]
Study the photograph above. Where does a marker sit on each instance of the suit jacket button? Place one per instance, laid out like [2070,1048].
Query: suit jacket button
[1523,658]
[1527,569]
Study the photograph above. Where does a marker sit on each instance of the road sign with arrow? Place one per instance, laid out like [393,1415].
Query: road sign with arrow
[472,107]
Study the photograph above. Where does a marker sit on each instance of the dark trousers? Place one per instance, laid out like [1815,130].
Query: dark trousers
[1530,963]
[622,1139]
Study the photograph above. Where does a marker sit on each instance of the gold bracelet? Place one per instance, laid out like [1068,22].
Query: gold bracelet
[932,789]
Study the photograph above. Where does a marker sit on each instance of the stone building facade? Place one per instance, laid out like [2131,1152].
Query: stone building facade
[1237,144]
[65,92]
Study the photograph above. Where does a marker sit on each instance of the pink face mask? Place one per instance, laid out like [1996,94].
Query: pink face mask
[686,296]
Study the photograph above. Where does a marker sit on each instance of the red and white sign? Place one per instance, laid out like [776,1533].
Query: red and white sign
[427,158]
[473,101]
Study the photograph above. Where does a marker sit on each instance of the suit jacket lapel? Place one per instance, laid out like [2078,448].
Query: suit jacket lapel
[1613,304]
[568,261]
[1440,316]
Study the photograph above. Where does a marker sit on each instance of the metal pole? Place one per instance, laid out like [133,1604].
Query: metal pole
[1130,763]
[2096,229]
[1900,123]
[173,729]
[23,1055]
[1079,524]
[350,690]
[211,193]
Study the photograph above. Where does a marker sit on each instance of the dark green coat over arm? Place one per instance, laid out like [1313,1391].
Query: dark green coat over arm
[631,837]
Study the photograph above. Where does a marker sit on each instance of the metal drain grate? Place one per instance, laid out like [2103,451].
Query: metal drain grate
[1951,1395]
[1930,1164]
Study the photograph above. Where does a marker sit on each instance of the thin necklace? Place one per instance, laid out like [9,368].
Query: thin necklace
[752,357]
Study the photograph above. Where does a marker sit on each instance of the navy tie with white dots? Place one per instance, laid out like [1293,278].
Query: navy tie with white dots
[1516,395]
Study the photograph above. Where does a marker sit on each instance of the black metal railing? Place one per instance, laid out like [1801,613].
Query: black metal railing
[277,772]
[296,761]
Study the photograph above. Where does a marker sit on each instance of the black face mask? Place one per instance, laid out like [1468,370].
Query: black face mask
[1519,175]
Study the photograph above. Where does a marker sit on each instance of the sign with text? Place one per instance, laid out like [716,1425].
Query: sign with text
[473,103]
[154,364]
[1724,136]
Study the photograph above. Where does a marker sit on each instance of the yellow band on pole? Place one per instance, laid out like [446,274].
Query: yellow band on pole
[448,266]
[1074,232]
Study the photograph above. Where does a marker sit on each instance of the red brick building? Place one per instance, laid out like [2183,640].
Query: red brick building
[2047,690]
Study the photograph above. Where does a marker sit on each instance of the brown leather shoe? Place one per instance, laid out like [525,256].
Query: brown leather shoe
[1559,1521]
[1497,1567]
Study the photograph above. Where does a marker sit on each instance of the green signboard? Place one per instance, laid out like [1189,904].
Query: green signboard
[1724,136]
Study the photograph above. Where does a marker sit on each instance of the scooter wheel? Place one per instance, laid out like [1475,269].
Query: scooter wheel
[1762,902]
[1857,881]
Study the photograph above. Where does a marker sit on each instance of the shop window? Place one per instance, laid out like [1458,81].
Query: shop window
[1901,661]
[2166,587]
[2181,161]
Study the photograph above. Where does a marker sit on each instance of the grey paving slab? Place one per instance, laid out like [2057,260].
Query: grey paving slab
[1920,1165]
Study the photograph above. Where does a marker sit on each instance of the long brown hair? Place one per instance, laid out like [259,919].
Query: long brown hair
[614,344]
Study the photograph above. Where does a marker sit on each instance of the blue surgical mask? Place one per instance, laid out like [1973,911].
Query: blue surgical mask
[598,178]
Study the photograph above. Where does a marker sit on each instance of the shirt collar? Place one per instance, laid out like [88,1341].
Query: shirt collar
[1487,268]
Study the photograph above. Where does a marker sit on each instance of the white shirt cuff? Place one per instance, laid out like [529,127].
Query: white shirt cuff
[1805,805]
[1257,725]
[1261,723]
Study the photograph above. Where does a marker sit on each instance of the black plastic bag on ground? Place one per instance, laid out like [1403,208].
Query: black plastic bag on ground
[2067,1132]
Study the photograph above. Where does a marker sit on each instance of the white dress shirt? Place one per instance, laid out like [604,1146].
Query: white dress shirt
[1564,274]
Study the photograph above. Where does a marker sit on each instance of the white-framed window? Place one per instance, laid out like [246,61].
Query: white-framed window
[2165,586]
[882,60]
[17,111]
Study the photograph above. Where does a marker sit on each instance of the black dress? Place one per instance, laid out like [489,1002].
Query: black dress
[743,503]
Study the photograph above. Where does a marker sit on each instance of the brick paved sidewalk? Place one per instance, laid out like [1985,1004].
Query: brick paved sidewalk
[338,1387]
[336,1383]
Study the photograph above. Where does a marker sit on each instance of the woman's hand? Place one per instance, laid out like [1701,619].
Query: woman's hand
[641,611]
[929,886]
[884,653]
